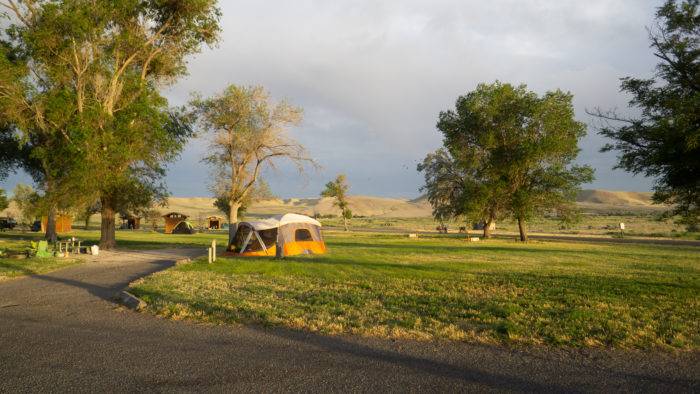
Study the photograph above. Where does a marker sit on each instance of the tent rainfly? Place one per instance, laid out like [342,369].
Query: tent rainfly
[293,234]
[214,222]
[172,220]
[64,223]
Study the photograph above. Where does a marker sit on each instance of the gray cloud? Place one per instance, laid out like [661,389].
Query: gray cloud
[373,76]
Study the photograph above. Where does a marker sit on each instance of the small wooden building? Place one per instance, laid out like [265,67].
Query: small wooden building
[172,220]
[131,222]
[214,222]
[64,223]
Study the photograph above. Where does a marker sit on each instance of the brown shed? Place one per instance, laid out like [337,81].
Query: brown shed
[131,222]
[64,223]
[214,222]
[172,220]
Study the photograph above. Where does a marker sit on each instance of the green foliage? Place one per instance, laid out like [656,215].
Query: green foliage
[80,80]
[28,201]
[456,191]
[4,202]
[664,141]
[9,151]
[515,150]
[338,189]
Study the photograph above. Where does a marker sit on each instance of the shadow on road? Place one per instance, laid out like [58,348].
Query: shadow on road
[418,364]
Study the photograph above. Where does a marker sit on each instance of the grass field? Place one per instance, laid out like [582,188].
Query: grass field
[640,224]
[136,240]
[553,293]
[12,268]
[126,239]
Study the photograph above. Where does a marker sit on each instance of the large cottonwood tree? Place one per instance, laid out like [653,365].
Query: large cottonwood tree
[85,75]
[247,131]
[522,145]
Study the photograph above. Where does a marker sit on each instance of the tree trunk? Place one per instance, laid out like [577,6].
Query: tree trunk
[51,234]
[487,227]
[108,238]
[345,222]
[232,222]
[523,231]
[87,222]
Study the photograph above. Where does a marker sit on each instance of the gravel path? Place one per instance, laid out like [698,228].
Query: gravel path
[62,332]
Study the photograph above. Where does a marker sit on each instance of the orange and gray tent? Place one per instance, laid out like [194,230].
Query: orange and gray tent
[293,234]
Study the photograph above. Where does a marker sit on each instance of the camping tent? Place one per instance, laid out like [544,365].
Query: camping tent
[184,227]
[172,220]
[214,222]
[64,223]
[293,234]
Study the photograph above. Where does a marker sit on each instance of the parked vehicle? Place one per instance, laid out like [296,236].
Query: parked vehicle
[7,224]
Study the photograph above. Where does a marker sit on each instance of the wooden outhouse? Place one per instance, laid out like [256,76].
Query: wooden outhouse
[172,220]
[214,222]
[64,223]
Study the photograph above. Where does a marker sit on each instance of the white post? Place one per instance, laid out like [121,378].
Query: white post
[209,255]
[213,250]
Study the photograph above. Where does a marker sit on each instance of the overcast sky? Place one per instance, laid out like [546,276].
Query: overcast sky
[372,77]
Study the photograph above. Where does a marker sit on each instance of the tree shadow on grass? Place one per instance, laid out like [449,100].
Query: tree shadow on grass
[516,374]
[336,345]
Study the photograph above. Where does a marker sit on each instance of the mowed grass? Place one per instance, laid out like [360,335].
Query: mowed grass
[12,268]
[127,239]
[134,240]
[439,288]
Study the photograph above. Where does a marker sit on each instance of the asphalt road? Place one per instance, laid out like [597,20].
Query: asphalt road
[62,332]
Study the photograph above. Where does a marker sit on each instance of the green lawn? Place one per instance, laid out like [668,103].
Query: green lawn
[127,239]
[11,243]
[12,268]
[638,224]
[553,293]
[139,240]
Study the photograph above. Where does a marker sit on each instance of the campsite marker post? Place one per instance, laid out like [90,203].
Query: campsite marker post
[213,250]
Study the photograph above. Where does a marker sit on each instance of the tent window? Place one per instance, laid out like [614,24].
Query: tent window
[269,237]
[303,234]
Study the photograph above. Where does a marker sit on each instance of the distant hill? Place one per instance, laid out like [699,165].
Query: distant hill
[611,201]
[201,207]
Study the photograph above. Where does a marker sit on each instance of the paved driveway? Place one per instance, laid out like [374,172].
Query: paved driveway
[61,332]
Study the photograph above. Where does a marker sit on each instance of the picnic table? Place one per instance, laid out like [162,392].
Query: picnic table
[72,245]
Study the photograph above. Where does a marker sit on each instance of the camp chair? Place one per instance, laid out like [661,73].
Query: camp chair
[42,249]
